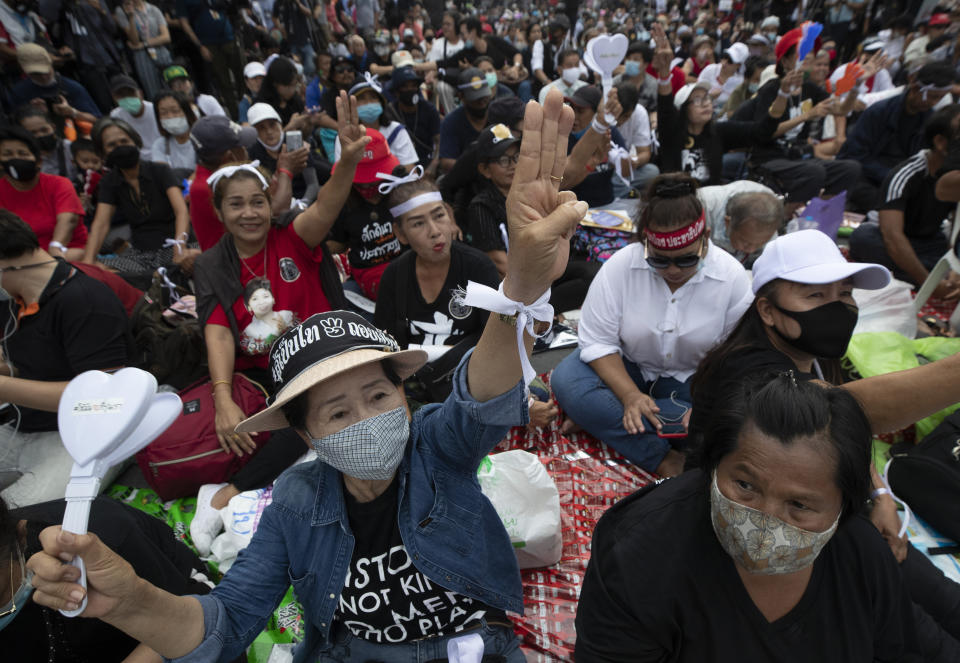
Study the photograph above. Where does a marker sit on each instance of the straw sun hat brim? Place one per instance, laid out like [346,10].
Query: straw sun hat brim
[405,363]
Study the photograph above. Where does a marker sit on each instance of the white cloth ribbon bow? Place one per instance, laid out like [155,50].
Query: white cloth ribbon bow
[465,649]
[170,285]
[370,80]
[488,299]
[229,171]
[391,182]
[179,243]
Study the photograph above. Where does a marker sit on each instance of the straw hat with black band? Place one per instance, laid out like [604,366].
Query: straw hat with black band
[320,348]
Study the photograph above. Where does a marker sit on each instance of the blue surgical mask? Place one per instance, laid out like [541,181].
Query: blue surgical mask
[699,31]
[369,113]
[753,87]
[578,134]
[631,68]
[20,597]
[491,80]
[468,43]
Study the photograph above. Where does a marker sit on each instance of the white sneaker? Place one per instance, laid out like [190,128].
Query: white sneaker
[206,523]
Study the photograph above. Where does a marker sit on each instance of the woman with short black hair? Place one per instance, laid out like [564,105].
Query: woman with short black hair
[761,554]
[147,196]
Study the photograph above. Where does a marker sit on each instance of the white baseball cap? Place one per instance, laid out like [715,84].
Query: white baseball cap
[254,69]
[260,112]
[810,256]
[680,98]
[737,52]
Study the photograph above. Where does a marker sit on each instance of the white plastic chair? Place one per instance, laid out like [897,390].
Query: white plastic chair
[948,262]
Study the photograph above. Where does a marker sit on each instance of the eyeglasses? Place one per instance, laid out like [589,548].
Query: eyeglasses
[342,70]
[701,101]
[14,588]
[507,160]
[685,261]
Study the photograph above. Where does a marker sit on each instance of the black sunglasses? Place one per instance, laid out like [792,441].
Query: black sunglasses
[662,262]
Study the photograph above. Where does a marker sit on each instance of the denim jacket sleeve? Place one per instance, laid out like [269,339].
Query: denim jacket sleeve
[237,610]
[462,430]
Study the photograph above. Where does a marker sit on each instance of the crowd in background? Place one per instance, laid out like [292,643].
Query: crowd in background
[186,182]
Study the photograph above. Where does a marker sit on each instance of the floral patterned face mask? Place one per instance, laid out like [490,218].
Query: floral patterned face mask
[762,543]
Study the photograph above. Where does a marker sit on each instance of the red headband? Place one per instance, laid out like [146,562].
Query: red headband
[677,239]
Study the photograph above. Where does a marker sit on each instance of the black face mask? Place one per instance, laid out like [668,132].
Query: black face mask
[825,331]
[22,170]
[125,156]
[47,143]
[476,112]
[409,97]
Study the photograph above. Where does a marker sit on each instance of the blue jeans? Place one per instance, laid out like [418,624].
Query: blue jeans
[592,404]
[497,640]
[525,90]
[641,178]
[308,58]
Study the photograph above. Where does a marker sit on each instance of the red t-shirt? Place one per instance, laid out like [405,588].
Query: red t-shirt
[206,224]
[677,78]
[39,207]
[293,270]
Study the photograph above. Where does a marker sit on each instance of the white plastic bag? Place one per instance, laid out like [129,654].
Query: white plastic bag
[887,309]
[527,501]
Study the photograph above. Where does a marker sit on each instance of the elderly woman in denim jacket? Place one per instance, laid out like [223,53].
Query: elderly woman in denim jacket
[388,541]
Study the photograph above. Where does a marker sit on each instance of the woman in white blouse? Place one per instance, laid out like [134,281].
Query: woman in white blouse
[650,316]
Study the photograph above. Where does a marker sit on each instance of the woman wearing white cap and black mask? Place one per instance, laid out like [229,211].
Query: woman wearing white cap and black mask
[801,320]
[415,475]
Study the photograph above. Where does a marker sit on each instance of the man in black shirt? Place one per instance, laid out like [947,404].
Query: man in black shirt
[67,323]
[419,117]
[908,238]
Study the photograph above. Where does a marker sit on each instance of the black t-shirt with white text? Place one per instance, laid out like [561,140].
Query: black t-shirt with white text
[368,231]
[402,310]
[385,599]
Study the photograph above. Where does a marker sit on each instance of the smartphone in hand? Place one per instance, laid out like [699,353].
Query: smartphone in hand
[672,429]
[294,140]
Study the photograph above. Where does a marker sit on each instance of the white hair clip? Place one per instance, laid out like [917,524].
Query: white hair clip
[392,181]
[229,171]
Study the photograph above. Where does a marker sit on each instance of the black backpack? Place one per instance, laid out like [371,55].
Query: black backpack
[927,476]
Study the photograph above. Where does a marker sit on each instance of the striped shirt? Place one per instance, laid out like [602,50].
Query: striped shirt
[910,188]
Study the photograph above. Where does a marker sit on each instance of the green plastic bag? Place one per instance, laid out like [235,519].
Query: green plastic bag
[285,627]
[877,353]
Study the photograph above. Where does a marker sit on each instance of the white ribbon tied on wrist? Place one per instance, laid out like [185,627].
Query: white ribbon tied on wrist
[486,298]
[180,244]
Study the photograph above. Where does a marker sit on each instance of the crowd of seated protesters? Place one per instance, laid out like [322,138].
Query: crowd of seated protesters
[386,173]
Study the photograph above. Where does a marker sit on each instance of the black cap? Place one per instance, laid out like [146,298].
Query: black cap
[586,97]
[473,85]
[494,141]
[506,110]
[216,134]
[123,82]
